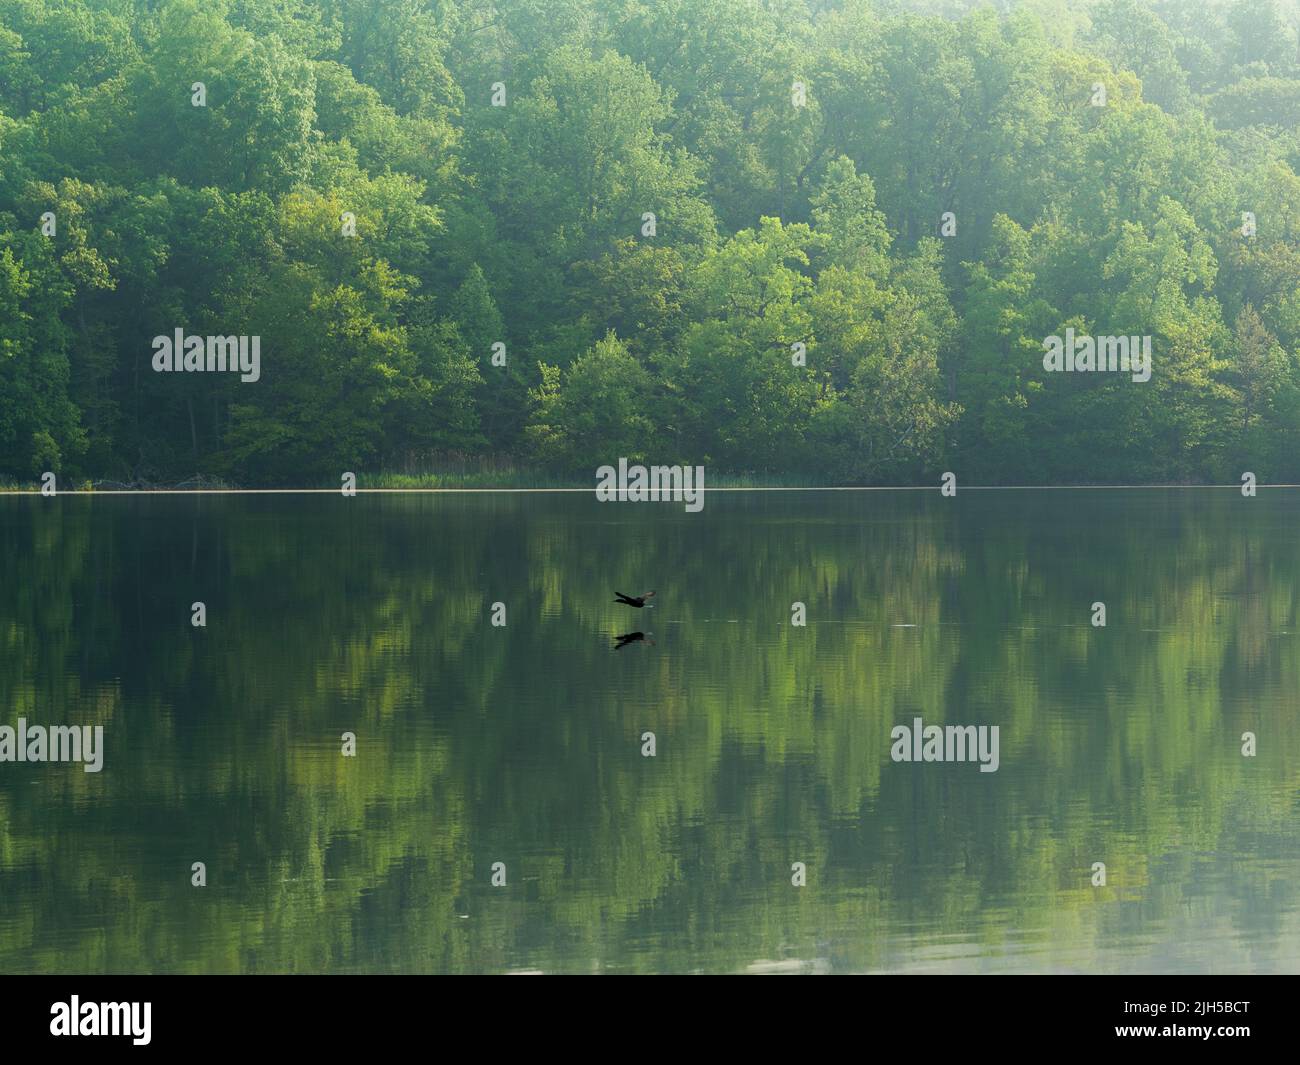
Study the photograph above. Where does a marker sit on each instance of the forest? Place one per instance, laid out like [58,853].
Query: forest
[810,241]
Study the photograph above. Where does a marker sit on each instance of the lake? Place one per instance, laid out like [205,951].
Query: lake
[518,751]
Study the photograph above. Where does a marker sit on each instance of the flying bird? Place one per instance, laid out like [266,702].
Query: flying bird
[634,637]
[637,601]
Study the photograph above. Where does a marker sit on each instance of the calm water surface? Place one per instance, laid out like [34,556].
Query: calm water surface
[522,744]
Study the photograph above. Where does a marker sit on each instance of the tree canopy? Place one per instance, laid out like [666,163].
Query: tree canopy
[816,241]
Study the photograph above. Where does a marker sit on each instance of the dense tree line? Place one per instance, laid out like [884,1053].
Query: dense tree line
[798,157]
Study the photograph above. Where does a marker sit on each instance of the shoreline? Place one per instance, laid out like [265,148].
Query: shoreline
[507,489]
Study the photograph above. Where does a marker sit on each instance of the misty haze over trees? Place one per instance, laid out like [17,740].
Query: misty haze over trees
[778,221]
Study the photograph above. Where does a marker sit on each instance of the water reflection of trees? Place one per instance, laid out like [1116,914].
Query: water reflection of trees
[521,744]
